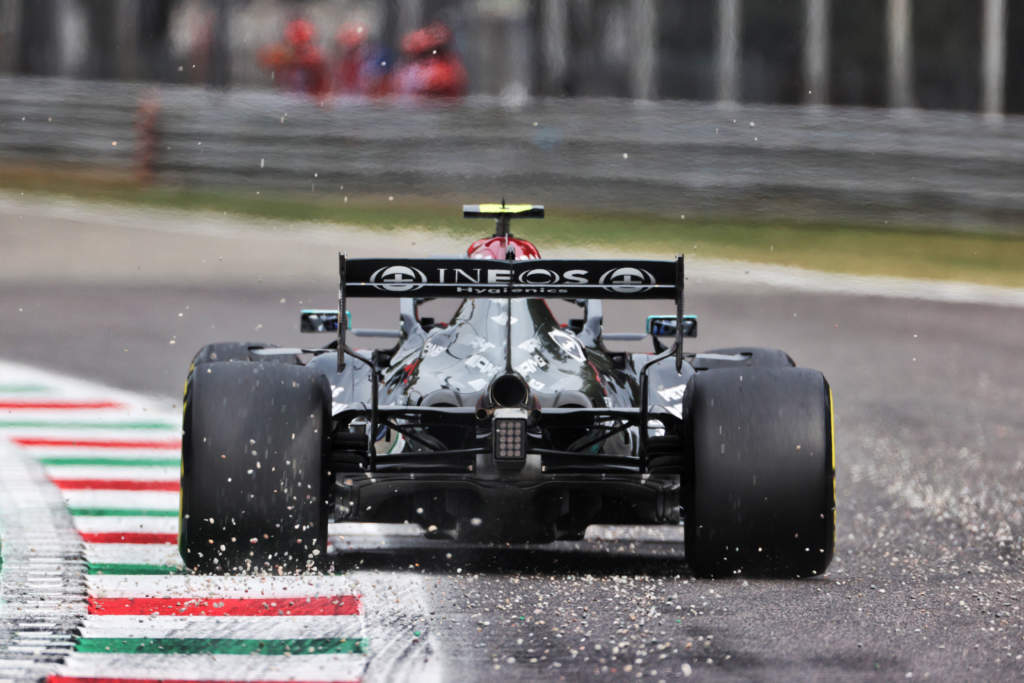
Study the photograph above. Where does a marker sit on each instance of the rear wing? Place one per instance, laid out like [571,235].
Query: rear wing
[463,278]
[540,278]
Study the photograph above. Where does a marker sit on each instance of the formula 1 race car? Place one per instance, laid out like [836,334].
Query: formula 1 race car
[504,425]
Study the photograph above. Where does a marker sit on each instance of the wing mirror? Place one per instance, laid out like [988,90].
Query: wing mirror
[665,325]
[322,320]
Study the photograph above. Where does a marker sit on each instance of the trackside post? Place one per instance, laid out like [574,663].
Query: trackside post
[342,266]
[680,271]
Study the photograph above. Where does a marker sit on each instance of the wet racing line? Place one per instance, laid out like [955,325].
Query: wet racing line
[115,459]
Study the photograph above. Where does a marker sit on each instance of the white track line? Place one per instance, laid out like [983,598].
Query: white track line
[107,498]
[194,585]
[66,427]
[754,275]
[114,473]
[133,553]
[698,269]
[92,452]
[156,525]
[122,413]
[325,667]
[224,627]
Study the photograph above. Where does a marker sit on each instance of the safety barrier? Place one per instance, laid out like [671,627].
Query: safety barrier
[930,167]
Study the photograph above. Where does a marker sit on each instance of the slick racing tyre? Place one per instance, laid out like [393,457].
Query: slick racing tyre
[742,357]
[253,485]
[224,351]
[760,495]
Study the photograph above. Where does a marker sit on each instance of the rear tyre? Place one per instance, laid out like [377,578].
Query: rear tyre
[760,493]
[742,357]
[239,351]
[253,486]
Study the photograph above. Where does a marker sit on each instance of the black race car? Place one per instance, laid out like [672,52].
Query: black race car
[505,425]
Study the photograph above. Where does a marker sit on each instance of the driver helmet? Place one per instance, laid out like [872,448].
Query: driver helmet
[497,248]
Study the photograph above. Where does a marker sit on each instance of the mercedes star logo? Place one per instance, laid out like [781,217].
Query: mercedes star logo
[627,280]
[398,279]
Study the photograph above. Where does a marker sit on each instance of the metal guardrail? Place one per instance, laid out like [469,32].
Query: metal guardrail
[673,157]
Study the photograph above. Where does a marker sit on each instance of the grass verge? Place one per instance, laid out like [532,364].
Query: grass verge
[866,249]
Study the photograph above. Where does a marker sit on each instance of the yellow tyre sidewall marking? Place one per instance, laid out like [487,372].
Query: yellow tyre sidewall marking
[832,439]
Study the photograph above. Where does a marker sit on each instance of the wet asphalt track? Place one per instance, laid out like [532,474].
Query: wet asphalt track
[927,581]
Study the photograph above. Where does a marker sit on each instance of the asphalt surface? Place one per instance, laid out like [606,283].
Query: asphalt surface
[927,581]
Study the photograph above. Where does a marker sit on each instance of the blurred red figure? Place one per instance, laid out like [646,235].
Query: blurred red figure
[298,64]
[431,68]
[352,54]
[361,67]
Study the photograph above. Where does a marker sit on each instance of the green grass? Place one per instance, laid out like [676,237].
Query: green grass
[868,249]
